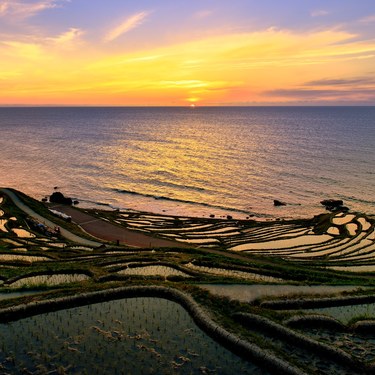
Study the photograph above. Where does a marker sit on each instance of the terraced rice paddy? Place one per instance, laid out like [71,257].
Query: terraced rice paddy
[346,313]
[250,293]
[2,225]
[361,346]
[153,271]
[12,242]
[362,268]
[23,258]
[48,280]
[22,233]
[93,339]
[233,273]
[332,239]
[349,329]
[11,294]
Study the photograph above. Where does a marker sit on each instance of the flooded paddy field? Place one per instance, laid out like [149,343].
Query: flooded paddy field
[93,339]
[232,267]
[12,294]
[153,271]
[329,239]
[48,280]
[249,293]
[361,346]
[345,314]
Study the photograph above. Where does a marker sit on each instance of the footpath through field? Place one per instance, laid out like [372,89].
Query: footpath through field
[65,233]
[98,228]
[104,230]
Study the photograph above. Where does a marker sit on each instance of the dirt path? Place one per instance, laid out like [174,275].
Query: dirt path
[65,233]
[104,230]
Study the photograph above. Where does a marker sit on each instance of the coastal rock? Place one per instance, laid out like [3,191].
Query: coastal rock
[334,205]
[58,197]
[278,203]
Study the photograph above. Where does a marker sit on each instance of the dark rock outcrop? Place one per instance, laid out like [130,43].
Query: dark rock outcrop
[58,197]
[334,205]
[278,203]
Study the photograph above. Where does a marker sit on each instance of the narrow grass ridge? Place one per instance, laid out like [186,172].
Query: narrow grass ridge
[298,339]
[241,347]
[318,302]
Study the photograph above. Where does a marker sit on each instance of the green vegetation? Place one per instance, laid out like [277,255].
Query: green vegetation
[41,209]
[47,256]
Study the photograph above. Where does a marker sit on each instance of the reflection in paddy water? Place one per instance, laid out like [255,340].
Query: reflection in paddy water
[22,233]
[346,313]
[248,293]
[49,280]
[93,339]
[153,271]
[2,225]
[282,244]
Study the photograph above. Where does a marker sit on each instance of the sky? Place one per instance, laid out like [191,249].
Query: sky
[181,53]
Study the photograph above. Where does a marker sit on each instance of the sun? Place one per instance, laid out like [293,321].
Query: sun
[192,101]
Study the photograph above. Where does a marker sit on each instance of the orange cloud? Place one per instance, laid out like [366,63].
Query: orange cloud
[270,65]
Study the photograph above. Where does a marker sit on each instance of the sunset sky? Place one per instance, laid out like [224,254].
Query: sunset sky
[174,52]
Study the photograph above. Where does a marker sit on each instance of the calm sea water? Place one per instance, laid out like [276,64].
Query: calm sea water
[197,161]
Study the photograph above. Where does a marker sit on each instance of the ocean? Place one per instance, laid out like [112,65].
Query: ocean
[198,161]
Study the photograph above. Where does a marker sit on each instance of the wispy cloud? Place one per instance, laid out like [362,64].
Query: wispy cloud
[203,14]
[9,74]
[302,94]
[368,19]
[21,9]
[370,80]
[319,13]
[262,66]
[193,83]
[68,37]
[143,58]
[128,24]
[23,50]
[354,89]
[30,47]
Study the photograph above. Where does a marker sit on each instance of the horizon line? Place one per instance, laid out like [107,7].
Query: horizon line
[178,106]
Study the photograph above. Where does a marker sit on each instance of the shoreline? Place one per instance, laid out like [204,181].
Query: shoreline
[176,208]
[224,214]
[107,207]
[129,169]
[83,276]
[265,211]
